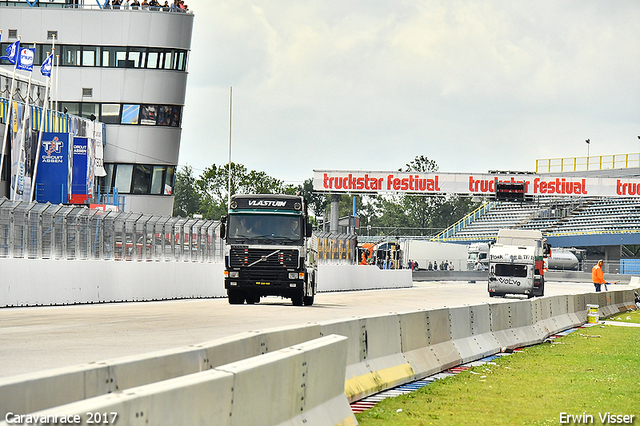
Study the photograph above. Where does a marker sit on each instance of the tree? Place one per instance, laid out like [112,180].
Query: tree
[187,198]
[213,186]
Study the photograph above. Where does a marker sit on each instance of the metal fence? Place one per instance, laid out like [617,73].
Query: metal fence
[57,231]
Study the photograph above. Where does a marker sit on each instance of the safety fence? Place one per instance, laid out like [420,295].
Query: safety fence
[58,231]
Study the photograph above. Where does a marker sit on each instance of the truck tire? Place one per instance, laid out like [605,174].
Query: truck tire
[252,299]
[236,297]
[308,300]
[297,299]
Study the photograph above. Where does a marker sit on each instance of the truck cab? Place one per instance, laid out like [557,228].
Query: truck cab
[516,263]
[267,250]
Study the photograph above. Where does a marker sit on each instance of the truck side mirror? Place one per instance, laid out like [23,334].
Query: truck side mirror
[223,227]
[308,229]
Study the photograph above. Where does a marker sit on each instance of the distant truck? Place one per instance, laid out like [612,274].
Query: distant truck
[516,263]
[478,257]
[267,250]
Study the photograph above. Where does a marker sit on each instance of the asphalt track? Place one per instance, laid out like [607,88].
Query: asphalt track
[40,338]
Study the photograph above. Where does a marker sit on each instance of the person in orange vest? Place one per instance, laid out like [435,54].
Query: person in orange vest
[597,276]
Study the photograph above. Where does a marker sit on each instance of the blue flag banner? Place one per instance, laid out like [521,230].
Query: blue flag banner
[12,52]
[32,3]
[47,65]
[25,60]
[102,4]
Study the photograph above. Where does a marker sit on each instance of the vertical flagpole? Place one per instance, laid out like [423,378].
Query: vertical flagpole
[41,131]
[8,122]
[229,187]
[57,91]
[25,116]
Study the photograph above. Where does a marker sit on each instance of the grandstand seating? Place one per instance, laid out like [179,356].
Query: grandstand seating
[556,217]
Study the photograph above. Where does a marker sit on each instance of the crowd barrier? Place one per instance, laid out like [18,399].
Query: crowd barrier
[381,351]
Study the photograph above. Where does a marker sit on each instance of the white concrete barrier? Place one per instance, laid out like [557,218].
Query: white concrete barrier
[302,384]
[361,277]
[380,352]
[31,282]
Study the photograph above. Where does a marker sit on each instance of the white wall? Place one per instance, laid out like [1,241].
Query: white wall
[28,282]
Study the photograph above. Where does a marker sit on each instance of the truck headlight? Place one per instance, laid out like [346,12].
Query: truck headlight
[234,274]
[293,275]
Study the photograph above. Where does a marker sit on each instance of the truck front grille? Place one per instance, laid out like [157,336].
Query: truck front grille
[263,258]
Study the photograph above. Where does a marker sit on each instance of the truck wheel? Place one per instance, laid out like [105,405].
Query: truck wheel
[308,300]
[236,297]
[252,299]
[297,299]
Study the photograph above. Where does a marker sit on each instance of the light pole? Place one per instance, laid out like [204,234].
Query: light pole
[588,141]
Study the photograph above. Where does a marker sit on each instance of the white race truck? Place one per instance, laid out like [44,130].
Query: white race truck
[516,263]
[478,257]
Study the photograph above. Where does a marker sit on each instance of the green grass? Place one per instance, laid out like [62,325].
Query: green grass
[592,370]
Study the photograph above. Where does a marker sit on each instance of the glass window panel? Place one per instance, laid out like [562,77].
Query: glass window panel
[141,179]
[130,114]
[108,179]
[109,56]
[123,178]
[157,180]
[89,108]
[73,108]
[169,180]
[148,115]
[154,58]
[42,51]
[138,56]
[71,55]
[164,115]
[181,61]
[121,59]
[175,117]
[90,56]
[168,60]
[110,113]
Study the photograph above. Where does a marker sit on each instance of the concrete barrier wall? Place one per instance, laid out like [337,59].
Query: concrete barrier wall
[361,277]
[381,351]
[32,282]
[302,384]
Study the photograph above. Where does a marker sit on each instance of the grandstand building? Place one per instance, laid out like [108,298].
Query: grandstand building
[126,68]
[606,227]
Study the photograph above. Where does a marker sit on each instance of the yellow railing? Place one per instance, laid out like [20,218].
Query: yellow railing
[575,164]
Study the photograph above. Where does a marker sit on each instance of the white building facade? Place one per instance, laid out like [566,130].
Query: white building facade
[124,67]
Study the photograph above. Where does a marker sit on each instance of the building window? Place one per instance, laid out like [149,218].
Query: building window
[71,55]
[110,113]
[130,114]
[148,115]
[140,179]
[90,56]
[123,176]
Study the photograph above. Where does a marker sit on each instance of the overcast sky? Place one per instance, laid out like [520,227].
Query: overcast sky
[369,85]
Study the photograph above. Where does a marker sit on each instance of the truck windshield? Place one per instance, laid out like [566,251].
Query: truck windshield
[511,270]
[256,228]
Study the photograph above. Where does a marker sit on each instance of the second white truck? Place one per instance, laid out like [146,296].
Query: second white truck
[516,263]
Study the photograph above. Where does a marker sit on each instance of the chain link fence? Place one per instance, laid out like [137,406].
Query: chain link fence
[57,231]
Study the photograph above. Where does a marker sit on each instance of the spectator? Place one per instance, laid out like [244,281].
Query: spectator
[435,265]
[415,265]
[126,4]
[154,5]
[166,7]
[135,5]
[451,266]
[145,5]
[430,267]
[442,265]
[116,4]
